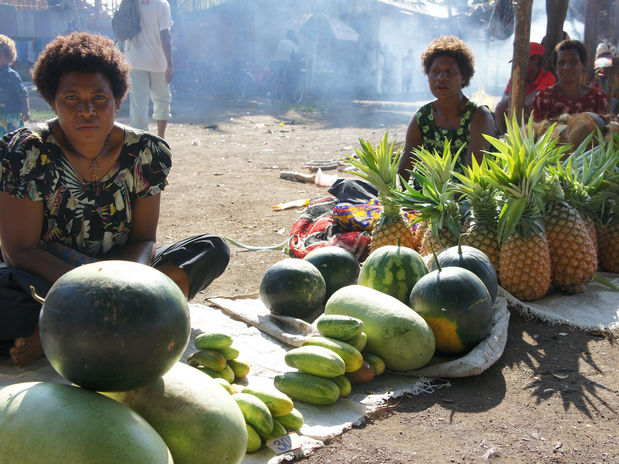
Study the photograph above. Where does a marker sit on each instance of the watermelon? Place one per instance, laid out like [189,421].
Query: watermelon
[393,270]
[114,325]
[457,306]
[51,423]
[293,287]
[338,267]
[472,259]
[197,418]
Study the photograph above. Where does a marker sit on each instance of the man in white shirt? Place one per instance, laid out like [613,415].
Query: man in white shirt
[150,56]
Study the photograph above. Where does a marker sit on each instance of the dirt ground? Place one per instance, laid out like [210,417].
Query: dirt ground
[551,398]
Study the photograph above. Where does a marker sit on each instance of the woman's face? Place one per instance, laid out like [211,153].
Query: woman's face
[444,77]
[85,106]
[569,67]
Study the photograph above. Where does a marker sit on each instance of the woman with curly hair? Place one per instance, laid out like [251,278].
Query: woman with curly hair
[569,95]
[449,64]
[14,108]
[84,188]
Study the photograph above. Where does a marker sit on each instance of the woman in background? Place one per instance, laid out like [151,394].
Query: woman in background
[449,64]
[84,188]
[569,95]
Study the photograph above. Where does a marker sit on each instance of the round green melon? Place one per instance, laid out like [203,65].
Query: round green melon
[393,270]
[114,325]
[197,418]
[293,287]
[474,260]
[338,267]
[44,422]
[456,305]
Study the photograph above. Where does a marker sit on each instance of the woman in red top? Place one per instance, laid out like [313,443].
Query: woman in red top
[569,95]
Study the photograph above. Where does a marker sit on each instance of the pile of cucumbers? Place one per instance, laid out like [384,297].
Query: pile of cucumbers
[328,365]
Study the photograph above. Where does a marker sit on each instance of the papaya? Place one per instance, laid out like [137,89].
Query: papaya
[198,420]
[255,412]
[362,375]
[278,403]
[63,424]
[291,421]
[352,357]
[396,333]
[316,360]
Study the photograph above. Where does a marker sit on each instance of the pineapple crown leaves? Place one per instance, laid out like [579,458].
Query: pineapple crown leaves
[379,166]
[518,170]
[434,165]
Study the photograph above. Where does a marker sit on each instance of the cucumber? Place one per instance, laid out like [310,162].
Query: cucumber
[214,341]
[377,363]
[227,373]
[278,430]
[359,341]
[224,383]
[207,358]
[278,403]
[255,413]
[240,368]
[316,360]
[353,359]
[229,352]
[344,385]
[307,387]
[254,442]
[291,421]
[210,372]
[339,327]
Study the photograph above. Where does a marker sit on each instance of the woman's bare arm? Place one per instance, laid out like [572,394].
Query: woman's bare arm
[482,123]
[413,140]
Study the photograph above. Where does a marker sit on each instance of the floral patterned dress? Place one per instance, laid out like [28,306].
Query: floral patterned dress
[433,137]
[84,217]
[550,103]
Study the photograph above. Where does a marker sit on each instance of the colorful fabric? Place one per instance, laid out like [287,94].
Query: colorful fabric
[544,79]
[433,137]
[357,217]
[551,103]
[91,218]
[316,228]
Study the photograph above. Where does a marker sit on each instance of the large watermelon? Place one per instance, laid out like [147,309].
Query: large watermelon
[393,270]
[338,267]
[293,287]
[457,306]
[53,423]
[198,419]
[114,325]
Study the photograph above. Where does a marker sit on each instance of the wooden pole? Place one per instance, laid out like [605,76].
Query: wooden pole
[592,14]
[556,12]
[520,57]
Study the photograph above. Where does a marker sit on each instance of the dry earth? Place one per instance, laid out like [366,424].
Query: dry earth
[551,398]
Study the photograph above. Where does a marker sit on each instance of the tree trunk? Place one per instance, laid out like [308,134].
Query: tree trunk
[592,14]
[556,11]
[520,57]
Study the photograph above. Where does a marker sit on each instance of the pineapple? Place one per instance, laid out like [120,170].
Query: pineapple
[518,171]
[379,166]
[481,232]
[433,197]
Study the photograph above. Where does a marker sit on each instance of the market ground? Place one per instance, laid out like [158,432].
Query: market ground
[553,397]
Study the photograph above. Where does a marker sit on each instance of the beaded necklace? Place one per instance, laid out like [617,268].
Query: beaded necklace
[93,161]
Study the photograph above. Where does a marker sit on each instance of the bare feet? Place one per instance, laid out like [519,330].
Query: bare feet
[26,349]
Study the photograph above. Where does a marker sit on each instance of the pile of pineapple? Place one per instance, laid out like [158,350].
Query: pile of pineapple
[542,220]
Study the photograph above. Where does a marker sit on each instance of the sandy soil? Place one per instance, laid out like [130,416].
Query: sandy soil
[551,398]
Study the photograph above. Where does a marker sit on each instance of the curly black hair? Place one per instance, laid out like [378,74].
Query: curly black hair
[570,44]
[80,52]
[7,46]
[454,47]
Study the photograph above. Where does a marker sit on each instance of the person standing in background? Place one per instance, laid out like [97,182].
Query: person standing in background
[150,56]
[407,71]
[14,108]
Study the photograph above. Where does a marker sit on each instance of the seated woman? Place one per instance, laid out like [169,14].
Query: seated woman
[569,95]
[83,188]
[449,64]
